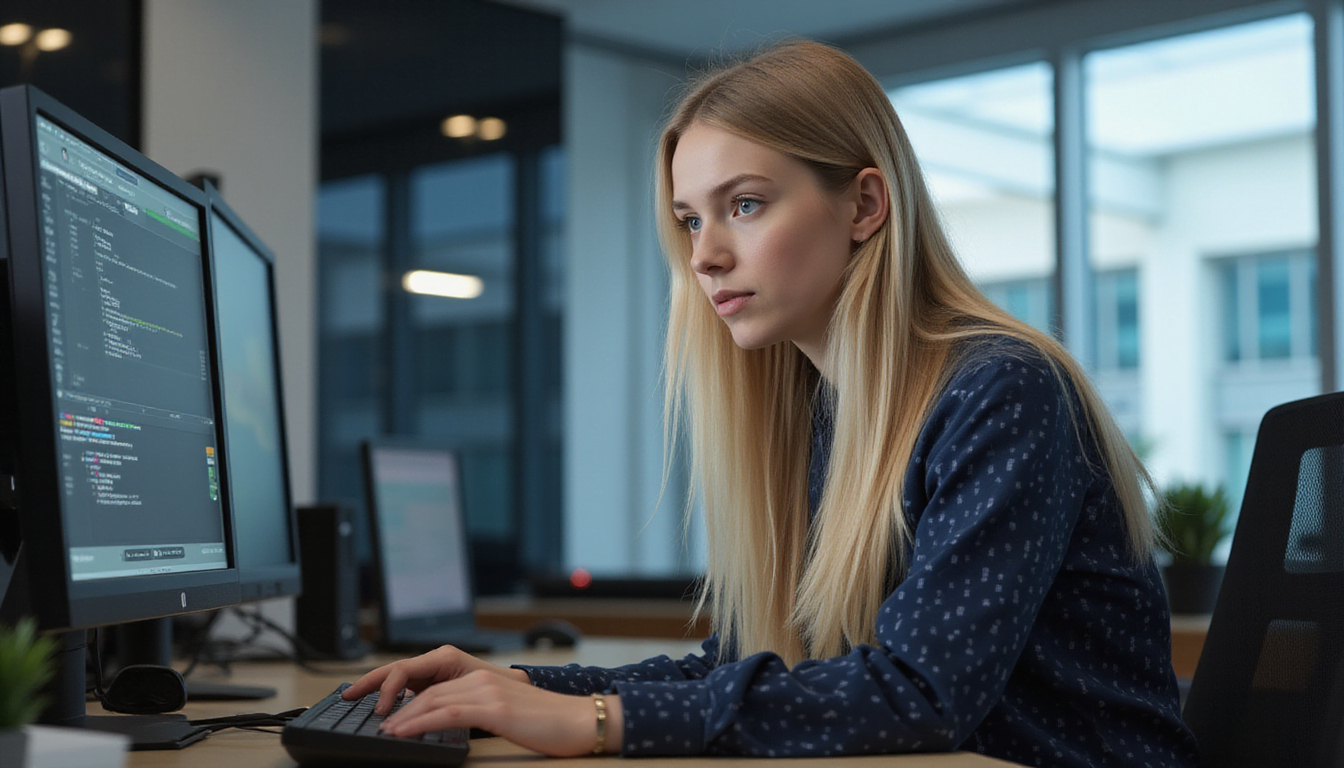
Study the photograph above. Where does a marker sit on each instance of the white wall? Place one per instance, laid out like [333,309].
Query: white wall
[615,309]
[231,87]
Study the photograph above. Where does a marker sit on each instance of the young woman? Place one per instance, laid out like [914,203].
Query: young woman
[925,531]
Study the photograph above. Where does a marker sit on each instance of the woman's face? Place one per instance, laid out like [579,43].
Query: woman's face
[769,244]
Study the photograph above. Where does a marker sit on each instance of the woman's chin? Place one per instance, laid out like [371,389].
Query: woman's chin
[746,340]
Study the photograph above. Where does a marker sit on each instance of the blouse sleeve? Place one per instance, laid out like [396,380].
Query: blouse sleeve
[1000,478]
[579,680]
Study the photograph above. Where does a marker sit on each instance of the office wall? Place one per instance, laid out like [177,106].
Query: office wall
[231,87]
[615,309]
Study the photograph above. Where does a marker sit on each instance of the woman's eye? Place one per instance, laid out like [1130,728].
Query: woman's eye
[691,223]
[746,206]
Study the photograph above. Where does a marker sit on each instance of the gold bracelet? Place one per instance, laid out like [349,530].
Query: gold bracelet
[601,703]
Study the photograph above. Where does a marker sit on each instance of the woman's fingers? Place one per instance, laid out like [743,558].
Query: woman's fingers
[368,683]
[415,673]
[552,723]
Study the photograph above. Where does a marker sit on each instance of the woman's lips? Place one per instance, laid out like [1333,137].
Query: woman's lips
[728,303]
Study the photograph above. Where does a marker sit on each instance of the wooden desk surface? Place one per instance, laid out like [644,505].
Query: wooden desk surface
[297,687]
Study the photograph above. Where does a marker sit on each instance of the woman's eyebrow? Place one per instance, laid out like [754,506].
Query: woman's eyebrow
[721,189]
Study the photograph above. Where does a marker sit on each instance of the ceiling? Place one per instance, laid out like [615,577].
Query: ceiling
[682,29]
[390,64]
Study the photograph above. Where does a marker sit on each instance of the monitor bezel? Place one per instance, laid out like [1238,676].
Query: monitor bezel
[56,599]
[269,581]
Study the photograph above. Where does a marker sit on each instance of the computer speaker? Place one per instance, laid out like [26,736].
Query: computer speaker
[326,615]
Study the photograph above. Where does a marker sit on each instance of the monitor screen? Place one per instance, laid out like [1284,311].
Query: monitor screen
[130,362]
[416,501]
[117,459]
[253,407]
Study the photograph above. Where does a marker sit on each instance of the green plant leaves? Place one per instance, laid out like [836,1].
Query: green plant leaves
[1194,521]
[26,665]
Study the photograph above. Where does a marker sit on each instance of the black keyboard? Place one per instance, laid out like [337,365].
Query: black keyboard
[339,732]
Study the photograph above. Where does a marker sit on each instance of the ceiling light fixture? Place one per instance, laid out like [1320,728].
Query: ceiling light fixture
[52,39]
[491,129]
[430,283]
[15,34]
[459,126]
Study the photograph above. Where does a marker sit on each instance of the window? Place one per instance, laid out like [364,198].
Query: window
[1117,312]
[1269,307]
[985,144]
[1199,144]
[1117,321]
[1031,301]
[350,224]
[478,374]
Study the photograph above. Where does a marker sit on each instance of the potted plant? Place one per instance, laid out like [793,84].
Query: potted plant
[1194,521]
[26,664]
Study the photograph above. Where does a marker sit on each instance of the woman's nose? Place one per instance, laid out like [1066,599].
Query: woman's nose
[711,252]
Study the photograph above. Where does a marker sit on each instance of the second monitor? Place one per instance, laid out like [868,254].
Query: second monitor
[254,414]
[422,556]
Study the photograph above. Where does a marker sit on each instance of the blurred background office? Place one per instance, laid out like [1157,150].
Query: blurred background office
[1161,183]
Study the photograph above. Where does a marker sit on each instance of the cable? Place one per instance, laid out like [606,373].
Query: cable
[257,721]
[97,650]
[222,653]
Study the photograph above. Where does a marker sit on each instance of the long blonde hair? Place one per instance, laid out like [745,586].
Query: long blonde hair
[906,308]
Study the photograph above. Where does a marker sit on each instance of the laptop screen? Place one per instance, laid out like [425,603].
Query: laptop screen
[421,533]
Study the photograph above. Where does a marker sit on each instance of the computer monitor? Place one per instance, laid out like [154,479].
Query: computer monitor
[265,527]
[113,437]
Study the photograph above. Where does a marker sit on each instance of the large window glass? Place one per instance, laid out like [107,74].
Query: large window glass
[1202,204]
[463,224]
[985,143]
[350,236]
[441,323]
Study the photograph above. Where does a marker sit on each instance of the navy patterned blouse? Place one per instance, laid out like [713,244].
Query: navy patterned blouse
[1023,630]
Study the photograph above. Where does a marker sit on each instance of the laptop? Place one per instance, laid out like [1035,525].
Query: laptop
[422,558]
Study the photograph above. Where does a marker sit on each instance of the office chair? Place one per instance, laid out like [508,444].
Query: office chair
[1269,688]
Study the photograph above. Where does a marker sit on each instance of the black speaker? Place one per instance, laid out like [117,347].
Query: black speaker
[326,615]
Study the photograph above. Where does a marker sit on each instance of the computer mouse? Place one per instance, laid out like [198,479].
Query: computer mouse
[146,689]
[552,633]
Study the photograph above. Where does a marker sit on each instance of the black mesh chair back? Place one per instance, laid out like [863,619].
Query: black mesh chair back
[1269,690]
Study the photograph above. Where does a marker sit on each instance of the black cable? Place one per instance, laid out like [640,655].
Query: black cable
[302,653]
[222,653]
[98,691]
[302,650]
[252,721]
[202,642]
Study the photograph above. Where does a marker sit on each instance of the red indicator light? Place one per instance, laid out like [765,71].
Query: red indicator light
[580,578]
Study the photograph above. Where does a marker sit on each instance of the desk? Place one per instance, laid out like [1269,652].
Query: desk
[600,616]
[297,687]
[1187,643]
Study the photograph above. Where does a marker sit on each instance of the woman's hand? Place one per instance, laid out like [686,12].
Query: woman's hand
[555,724]
[420,672]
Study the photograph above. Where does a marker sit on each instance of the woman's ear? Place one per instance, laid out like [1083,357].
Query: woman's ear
[869,191]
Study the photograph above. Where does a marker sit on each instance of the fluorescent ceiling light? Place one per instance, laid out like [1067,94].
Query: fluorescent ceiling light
[453,286]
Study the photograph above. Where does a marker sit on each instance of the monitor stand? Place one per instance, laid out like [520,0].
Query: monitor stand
[68,705]
[151,642]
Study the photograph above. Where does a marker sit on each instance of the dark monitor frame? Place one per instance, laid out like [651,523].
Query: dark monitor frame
[54,597]
[265,582]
